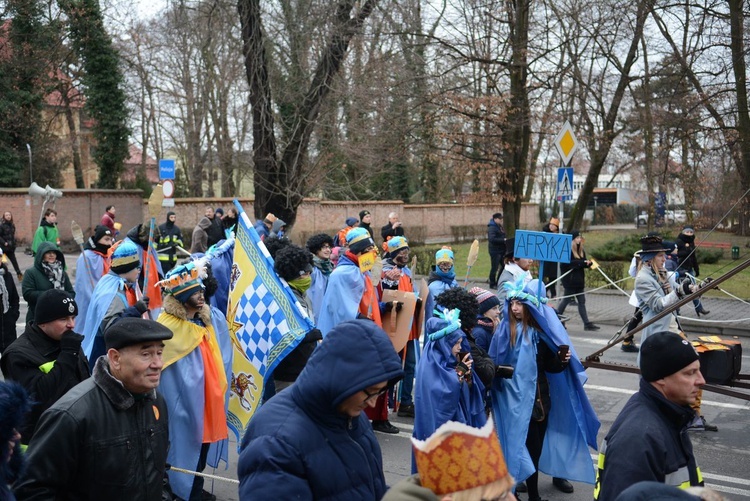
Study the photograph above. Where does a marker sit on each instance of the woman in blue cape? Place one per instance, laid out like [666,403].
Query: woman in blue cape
[545,427]
[446,389]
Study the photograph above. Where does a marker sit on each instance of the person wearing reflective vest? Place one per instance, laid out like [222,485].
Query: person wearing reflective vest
[649,441]
[47,360]
[170,237]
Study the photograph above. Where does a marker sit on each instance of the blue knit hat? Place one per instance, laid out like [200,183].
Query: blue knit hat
[358,239]
[125,258]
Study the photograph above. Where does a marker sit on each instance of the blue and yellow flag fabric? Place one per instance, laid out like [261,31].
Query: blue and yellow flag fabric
[266,322]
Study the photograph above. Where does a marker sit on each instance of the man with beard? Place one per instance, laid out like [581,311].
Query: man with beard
[92,265]
[193,365]
[170,237]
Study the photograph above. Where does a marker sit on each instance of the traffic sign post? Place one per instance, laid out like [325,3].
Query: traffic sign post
[166,175]
[566,144]
[166,169]
[564,184]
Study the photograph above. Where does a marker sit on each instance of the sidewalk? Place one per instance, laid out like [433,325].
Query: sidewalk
[605,307]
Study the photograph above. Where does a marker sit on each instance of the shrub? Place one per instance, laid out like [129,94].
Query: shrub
[425,258]
[615,270]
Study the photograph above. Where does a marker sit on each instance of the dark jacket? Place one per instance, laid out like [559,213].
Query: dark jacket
[35,280]
[484,366]
[685,261]
[10,317]
[495,238]
[576,279]
[199,241]
[369,229]
[37,363]
[299,446]
[7,236]
[647,441]
[388,231]
[215,232]
[291,365]
[99,442]
[170,237]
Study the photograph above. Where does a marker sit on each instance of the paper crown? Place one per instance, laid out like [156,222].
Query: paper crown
[458,457]
[182,281]
[395,244]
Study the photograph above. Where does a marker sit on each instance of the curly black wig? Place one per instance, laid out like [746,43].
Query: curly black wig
[316,242]
[210,283]
[292,261]
[458,297]
[275,244]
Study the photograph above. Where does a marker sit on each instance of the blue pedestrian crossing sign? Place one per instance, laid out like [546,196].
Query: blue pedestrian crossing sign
[564,184]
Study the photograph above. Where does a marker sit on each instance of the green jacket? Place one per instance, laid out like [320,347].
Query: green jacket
[35,280]
[45,233]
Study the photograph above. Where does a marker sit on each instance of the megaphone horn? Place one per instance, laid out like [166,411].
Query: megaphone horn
[52,193]
[37,191]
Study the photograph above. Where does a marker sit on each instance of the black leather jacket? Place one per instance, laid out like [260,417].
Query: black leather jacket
[99,442]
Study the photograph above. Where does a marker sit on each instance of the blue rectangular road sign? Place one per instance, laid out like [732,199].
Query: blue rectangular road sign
[564,184]
[166,169]
[542,246]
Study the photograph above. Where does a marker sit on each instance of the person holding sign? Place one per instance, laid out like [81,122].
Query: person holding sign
[575,280]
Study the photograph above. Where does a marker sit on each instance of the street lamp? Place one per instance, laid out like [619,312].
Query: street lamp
[31,173]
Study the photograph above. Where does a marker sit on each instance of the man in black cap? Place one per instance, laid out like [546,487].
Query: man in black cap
[496,244]
[365,219]
[107,438]
[649,439]
[47,360]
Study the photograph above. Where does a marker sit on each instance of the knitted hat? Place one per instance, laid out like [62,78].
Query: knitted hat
[125,258]
[665,353]
[185,280]
[395,244]
[219,211]
[497,215]
[358,239]
[54,304]
[134,330]
[688,227]
[99,232]
[351,221]
[486,299]
[363,213]
[444,255]
[575,234]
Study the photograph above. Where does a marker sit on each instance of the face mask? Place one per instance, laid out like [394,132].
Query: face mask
[367,260]
[301,284]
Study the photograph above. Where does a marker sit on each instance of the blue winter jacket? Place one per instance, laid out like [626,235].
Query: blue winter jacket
[298,446]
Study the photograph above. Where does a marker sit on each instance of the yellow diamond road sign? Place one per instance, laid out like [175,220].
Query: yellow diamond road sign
[566,143]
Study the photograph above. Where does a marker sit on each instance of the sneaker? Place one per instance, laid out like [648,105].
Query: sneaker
[562,485]
[696,424]
[384,426]
[591,327]
[708,426]
[629,347]
[406,410]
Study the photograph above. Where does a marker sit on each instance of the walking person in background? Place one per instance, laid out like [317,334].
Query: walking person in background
[108,219]
[8,241]
[496,245]
[550,267]
[575,281]
[9,307]
[48,272]
[91,266]
[47,231]
[170,237]
[687,261]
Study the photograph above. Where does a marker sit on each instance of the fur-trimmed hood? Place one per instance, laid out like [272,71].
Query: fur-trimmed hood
[174,307]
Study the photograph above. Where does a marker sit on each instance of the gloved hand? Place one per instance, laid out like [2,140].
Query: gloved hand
[707,283]
[462,370]
[685,288]
[71,342]
[142,305]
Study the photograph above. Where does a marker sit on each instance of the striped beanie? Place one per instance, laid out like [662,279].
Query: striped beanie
[358,239]
[125,258]
[485,298]
[444,255]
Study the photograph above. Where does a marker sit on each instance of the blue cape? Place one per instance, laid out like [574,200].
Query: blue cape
[316,292]
[89,268]
[178,386]
[346,286]
[572,423]
[110,288]
[221,256]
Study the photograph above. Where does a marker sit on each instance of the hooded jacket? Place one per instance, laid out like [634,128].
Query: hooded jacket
[35,281]
[299,446]
[200,236]
[686,258]
[495,238]
[47,232]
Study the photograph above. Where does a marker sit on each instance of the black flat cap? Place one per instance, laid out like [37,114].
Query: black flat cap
[130,331]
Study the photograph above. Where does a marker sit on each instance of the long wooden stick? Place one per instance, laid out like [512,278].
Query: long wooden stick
[154,206]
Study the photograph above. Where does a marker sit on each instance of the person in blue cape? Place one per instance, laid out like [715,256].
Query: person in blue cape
[446,388]
[312,440]
[320,246]
[116,295]
[92,265]
[197,362]
[443,277]
[544,419]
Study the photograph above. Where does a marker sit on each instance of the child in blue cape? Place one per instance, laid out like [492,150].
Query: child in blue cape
[545,421]
[446,389]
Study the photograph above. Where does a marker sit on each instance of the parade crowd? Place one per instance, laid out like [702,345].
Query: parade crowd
[118,387]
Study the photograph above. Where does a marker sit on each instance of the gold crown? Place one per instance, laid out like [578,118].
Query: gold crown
[458,457]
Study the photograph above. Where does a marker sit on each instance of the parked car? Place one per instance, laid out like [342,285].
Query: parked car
[642,218]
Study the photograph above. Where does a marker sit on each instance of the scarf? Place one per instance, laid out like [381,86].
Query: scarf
[54,273]
[301,284]
[324,265]
[446,276]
